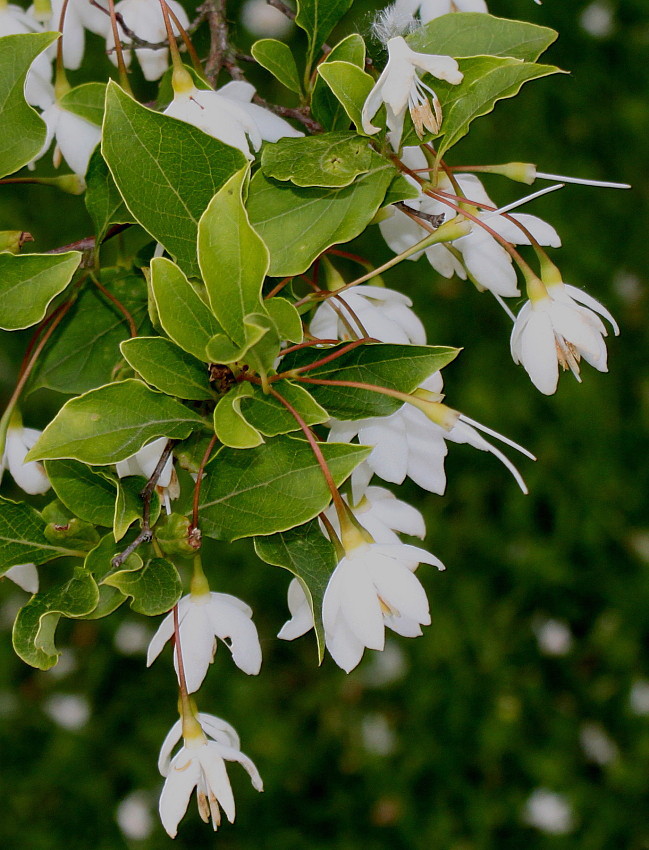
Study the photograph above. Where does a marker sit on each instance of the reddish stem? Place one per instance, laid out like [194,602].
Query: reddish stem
[122,309]
[199,481]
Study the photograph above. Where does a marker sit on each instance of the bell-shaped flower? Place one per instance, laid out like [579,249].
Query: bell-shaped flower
[145,461]
[228,115]
[559,325]
[29,476]
[203,617]
[374,586]
[200,764]
[25,576]
[75,138]
[80,15]
[399,87]
[480,254]
[409,444]
[382,515]
[372,311]
[144,18]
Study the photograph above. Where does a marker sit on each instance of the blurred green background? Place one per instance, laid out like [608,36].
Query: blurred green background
[521,718]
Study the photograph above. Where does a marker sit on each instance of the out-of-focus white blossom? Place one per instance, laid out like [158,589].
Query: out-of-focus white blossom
[549,812]
[639,697]
[263,20]
[133,816]
[554,637]
[70,711]
[597,745]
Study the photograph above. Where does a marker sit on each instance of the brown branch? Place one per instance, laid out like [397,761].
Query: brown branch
[300,113]
[435,220]
[283,8]
[146,535]
[88,243]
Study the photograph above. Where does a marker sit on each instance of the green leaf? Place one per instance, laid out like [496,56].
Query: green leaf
[306,553]
[103,200]
[167,367]
[396,367]
[400,190]
[230,426]
[84,349]
[29,282]
[87,101]
[487,79]
[220,349]
[154,589]
[88,494]
[22,537]
[270,417]
[285,318]
[463,34]
[74,533]
[232,257]
[22,131]
[128,505]
[270,488]
[33,632]
[99,563]
[325,106]
[166,170]
[299,224]
[317,18]
[113,422]
[330,159]
[182,313]
[351,86]
[277,57]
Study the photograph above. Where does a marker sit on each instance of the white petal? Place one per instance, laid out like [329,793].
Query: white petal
[344,647]
[216,777]
[239,633]
[359,603]
[537,352]
[168,745]
[301,615]
[183,777]
[592,303]
[197,644]
[25,576]
[219,729]
[232,754]
[163,634]
[77,139]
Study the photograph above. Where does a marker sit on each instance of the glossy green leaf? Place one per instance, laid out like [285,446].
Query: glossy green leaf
[221,349]
[330,159]
[35,625]
[88,494]
[306,553]
[276,57]
[154,589]
[22,131]
[285,318]
[87,101]
[475,34]
[232,257]
[399,190]
[317,18]
[29,282]
[22,537]
[325,106]
[271,417]
[113,422]
[103,200]
[74,533]
[351,86]
[299,224]
[182,313]
[84,350]
[99,563]
[270,488]
[128,505]
[166,170]
[396,367]
[167,367]
[230,426]
[487,79]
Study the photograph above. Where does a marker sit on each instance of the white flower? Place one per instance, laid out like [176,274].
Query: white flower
[229,115]
[482,256]
[25,576]
[372,587]
[373,311]
[76,138]
[29,476]
[554,637]
[400,87]
[80,15]
[383,515]
[204,617]
[145,461]
[264,21]
[144,18]
[559,326]
[408,443]
[200,764]
[549,812]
